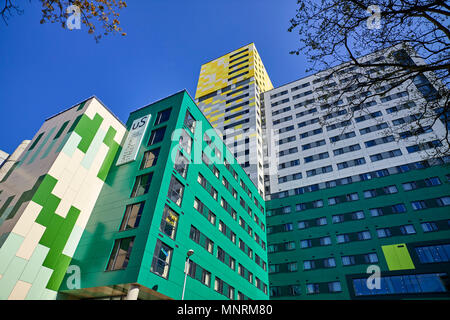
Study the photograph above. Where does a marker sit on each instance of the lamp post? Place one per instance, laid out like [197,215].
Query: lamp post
[186,266]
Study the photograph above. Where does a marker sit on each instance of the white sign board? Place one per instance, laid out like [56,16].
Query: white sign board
[134,139]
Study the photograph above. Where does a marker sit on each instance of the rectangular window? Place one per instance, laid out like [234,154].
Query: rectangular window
[156,136]
[185,142]
[161,259]
[132,216]
[120,254]
[189,122]
[176,190]
[181,164]
[169,222]
[162,116]
[141,185]
[150,158]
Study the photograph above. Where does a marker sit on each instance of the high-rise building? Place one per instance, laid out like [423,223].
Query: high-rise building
[47,196]
[174,187]
[350,193]
[228,93]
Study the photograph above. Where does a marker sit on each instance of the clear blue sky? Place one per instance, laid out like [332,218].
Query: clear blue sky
[45,68]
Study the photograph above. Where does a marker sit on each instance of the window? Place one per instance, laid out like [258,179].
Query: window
[181,164]
[352,197]
[309,265]
[294,290]
[161,259]
[383,233]
[185,141]
[302,224]
[403,284]
[364,235]
[200,207]
[199,238]
[312,288]
[150,158]
[407,229]
[176,190]
[169,222]
[342,238]
[198,273]
[325,241]
[337,218]
[141,185]
[292,266]
[305,243]
[429,226]
[321,221]
[334,286]
[358,215]
[132,216]
[418,205]
[329,263]
[371,258]
[189,122]
[120,254]
[434,254]
[348,260]
[162,116]
[157,136]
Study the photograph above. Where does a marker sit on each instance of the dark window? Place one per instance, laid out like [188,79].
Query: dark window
[141,185]
[162,116]
[150,158]
[169,222]
[120,254]
[132,216]
[156,136]
[161,259]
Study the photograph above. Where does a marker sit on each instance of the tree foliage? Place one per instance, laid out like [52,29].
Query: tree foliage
[101,17]
[414,41]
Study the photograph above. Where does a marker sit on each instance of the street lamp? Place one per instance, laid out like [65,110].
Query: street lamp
[186,266]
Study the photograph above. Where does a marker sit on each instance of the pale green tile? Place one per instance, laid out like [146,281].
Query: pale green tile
[9,250]
[39,284]
[93,149]
[11,276]
[71,144]
[33,266]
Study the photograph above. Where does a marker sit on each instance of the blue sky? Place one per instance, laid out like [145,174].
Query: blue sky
[45,68]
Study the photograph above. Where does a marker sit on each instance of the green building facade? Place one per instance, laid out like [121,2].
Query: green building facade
[183,191]
[324,243]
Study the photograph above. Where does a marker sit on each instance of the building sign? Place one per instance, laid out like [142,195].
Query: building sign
[133,141]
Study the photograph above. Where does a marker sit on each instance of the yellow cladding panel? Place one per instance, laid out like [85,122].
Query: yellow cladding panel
[207,109]
[239,136]
[213,119]
[214,74]
[237,109]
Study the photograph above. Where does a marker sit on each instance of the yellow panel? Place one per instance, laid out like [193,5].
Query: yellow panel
[397,257]
[237,109]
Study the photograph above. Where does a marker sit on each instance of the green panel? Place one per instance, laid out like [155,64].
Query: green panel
[94,249]
[397,257]
[57,230]
[87,128]
[113,147]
